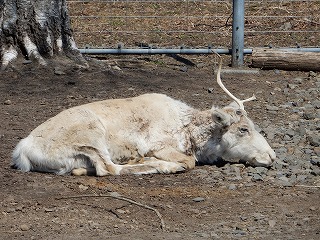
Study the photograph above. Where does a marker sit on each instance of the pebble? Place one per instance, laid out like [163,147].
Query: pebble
[59,72]
[184,69]
[7,102]
[315,171]
[82,187]
[256,177]
[115,194]
[313,208]
[24,227]
[198,199]
[315,161]
[27,61]
[284,181]
[312,74]
[272,108]
[261,170]
[210,90]
[301,178]
[309,115]
[232,187]
[314,140]
[272,223]
[116,68]
[316,104]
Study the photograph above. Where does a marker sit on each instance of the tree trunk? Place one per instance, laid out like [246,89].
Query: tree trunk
[286,60]
[37,30]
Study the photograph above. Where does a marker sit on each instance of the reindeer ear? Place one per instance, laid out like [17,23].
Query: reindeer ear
[221,118]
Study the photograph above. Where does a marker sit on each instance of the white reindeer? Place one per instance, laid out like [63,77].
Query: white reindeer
[151,133]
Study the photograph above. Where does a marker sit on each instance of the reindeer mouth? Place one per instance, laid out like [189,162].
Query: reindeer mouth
[265,160]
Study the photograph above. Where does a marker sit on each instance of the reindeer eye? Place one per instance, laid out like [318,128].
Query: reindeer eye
[243,130]
[218,118]
[239,112]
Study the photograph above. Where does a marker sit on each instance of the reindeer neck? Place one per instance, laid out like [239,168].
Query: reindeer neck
[200,128]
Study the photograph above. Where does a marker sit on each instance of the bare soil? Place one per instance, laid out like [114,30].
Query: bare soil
[194,205]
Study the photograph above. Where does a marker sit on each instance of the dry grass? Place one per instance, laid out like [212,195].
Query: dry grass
[194,23]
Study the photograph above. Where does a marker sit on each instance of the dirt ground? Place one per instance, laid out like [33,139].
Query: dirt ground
[197,204]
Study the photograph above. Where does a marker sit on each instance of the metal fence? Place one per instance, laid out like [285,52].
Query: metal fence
[193,23]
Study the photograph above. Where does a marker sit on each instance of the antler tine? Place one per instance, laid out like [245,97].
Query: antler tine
[237,100]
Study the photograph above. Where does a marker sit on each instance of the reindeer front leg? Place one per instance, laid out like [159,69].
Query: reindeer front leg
[167,160]
[172,155]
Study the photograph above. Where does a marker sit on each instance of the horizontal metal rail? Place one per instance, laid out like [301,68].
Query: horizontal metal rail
[139,51]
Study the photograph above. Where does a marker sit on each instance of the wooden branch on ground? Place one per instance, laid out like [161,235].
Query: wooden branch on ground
[307,186]
[285,60]
[117,196]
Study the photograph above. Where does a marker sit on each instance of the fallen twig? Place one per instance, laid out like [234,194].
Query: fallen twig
[307,186]
[123,199]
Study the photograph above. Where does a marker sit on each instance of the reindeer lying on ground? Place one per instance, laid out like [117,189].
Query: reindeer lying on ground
[152,133]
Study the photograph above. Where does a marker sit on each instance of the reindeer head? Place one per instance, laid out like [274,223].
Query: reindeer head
[238,140]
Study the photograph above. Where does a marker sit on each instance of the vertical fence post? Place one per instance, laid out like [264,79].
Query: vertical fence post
[237,33]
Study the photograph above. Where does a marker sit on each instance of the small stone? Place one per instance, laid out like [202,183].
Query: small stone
[298,80]
[59,72]
[83,188]
[7,102]
[272,108]
[277,89]
[201,65]
[308,106]
[239,232]
[317,151]
[315,161]
[292,86]
[256,177]
[243,218]
[121,211]
[286,26]
[184,69]
[210,90]
[314,140]
[280,174]
[309,115]
[9,210]
[284,181]
[261,170]
[313,208]
[232,187]
[272,223]
[286,138]
[316,104]
[24,227]
[301,131]
[27,61]
[198,199]
[301,178]
[312,74]
[270,135]
[315,171]
[116,68]
[306,219]
[290,133]
[258,216]
[48,209]
[115,194]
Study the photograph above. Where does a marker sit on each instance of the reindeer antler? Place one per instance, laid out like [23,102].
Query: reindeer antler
[237,100]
